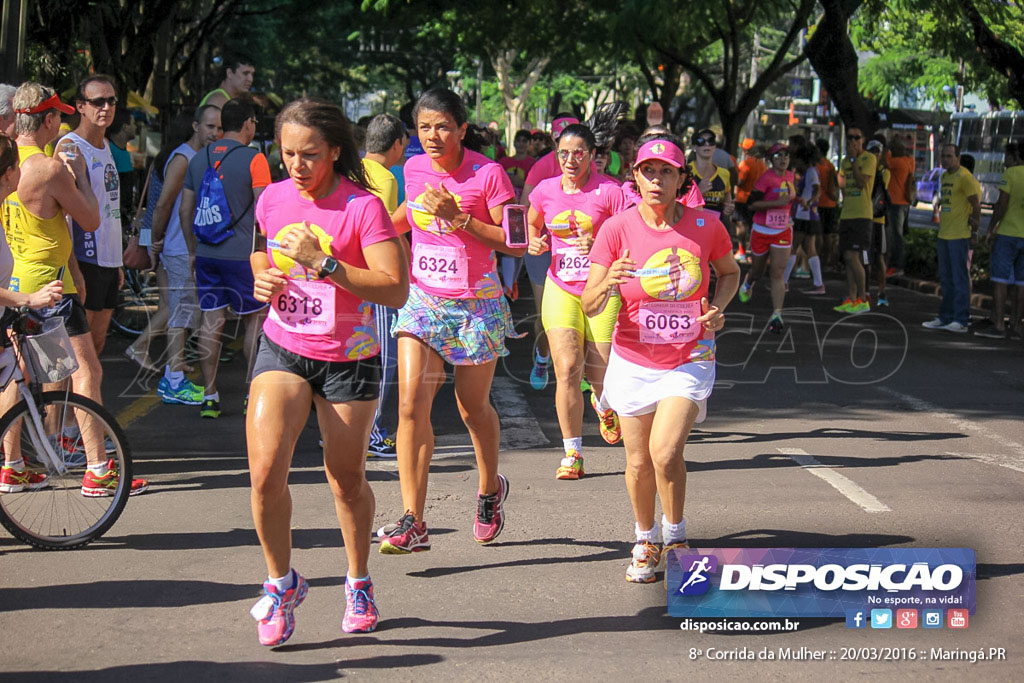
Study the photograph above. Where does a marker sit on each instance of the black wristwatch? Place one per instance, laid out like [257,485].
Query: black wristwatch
[327,266]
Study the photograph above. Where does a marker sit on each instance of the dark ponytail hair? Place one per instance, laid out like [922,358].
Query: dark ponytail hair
[333,126]
[581,131]
[8,154]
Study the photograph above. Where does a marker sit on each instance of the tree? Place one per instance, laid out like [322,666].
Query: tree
[834,58]
[945,42]
[122,38]
[709,40]
[518,41]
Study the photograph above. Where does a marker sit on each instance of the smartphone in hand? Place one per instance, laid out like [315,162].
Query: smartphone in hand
[514,223]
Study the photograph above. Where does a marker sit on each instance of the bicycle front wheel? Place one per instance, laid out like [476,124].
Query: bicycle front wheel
[52,509]
[137,302]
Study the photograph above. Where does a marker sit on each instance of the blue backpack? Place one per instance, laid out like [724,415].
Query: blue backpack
[212,223]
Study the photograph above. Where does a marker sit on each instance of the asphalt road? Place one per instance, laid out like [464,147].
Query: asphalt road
[921,429]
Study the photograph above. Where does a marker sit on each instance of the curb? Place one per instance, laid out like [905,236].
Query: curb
[981,301]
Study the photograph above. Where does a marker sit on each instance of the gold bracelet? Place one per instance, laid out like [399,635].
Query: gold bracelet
[464,223]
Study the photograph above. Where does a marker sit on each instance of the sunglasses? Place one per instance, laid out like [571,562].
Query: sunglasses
[702,142]
[576,154]
[98,102]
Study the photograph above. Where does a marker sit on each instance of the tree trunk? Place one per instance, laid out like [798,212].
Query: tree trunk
[834,59]
[515,92]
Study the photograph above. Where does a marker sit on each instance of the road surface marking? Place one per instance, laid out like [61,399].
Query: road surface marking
[1013,461]
[519,428]
[1007,461]
[138,408]
[837,481]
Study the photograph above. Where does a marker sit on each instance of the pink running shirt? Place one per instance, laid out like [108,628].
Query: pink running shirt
[448,262]
[567,216]
[347,221]
[775,187]
[673,267]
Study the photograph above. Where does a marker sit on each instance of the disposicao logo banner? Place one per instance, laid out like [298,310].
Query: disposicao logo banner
[816,582]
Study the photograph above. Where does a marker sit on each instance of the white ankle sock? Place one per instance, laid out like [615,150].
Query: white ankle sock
[651,535]
[815,264]
[283,583]
[575,442]
[673,533]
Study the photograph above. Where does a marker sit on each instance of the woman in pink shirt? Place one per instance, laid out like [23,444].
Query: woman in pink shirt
[771,201]
[566,213]
[456,313]
[325,249]
[661,370]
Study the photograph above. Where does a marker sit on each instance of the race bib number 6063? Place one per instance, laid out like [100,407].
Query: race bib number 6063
[669,322]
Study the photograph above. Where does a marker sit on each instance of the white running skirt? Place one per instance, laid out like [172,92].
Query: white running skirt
[632,390]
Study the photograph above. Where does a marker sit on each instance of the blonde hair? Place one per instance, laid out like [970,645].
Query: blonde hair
[29,95]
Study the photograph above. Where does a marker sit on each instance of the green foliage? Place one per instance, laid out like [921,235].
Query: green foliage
[922,256]
[919,45]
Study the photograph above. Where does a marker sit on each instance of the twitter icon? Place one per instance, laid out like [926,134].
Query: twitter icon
[881,618]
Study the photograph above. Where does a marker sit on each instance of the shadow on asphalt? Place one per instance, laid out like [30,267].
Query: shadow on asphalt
[302,539]
[229,671]
[702,436]
[771,460]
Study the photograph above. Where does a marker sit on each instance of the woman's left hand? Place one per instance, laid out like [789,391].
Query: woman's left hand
[713,318]
[440,203]
[303,247]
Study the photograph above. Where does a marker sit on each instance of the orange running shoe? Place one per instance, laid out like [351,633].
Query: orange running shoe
[571,466]
[609,427]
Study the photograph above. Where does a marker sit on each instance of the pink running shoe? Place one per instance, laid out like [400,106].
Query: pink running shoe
[360,610]
[275,611]
[490,515]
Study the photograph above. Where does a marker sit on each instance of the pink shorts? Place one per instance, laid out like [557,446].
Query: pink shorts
[760,242]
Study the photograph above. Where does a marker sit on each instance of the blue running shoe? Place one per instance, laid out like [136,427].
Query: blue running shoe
[539,374]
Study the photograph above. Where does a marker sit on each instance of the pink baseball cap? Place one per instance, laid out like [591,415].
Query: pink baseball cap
[558,125]
[662,150]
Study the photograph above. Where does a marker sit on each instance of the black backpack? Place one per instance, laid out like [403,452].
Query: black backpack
[879,197]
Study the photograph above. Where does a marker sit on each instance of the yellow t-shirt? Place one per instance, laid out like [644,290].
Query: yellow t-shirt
[1013,185]
[957,186]
[886,177]
[720,190]
[41,246]
[857,199]
[382,184]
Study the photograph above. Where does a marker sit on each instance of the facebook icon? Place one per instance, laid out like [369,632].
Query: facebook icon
[855,618]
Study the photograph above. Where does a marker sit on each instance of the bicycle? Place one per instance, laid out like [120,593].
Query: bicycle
[136,302]
[57,516]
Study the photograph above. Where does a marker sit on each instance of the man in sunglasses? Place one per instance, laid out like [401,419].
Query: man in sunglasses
[856,179]
[98,250]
